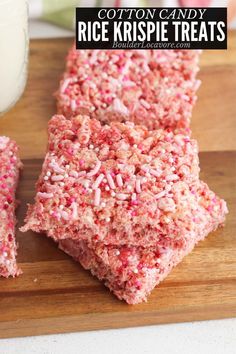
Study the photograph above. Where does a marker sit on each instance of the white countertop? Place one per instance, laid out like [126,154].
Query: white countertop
[218,337]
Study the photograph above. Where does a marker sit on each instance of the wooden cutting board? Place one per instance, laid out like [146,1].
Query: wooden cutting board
[55,294]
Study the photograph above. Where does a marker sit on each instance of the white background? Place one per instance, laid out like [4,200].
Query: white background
[209,337]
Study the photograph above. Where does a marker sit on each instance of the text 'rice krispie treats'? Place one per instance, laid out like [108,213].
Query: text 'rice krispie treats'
[156,88]
[124,201]
[9,174]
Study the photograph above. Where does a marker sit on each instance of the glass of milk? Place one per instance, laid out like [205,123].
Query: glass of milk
[14,43]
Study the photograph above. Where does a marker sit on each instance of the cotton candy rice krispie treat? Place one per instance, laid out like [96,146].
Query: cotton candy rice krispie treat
[9,175]
[124,201]
[119,184]
[152,87]
[132,272]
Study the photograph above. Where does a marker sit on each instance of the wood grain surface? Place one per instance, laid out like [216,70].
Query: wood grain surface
[55,294]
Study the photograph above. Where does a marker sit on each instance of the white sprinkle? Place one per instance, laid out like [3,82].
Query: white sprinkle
[95,170]
[62,184]
[135,146]
[74,174]
[10,153]
[61,206]
[138,185]
[89,190]
[56,168]
[110,181]
[67,167]
[145,168]
[48,173]
[107,188]
[73,105]
[135,270]
[45,178]
[96,149]
[160,195]
[79,174]
[98,181]
[129,187]
[64,85]
[97,197]
[133,196]
[117,253]
[66,175]
[108,219]
[64,215]
[86,183]
[74,211]
[122,196]
[91,146]
[103,204]
[57,178]
[5,254]
[144,180]
[172,177]
[113,194]
[119,180]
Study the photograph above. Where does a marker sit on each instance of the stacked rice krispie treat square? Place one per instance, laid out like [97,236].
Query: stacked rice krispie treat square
[9,174]
[156,88]
[123,200]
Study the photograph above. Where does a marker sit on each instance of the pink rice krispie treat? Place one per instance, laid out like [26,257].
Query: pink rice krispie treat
[124,201]
[9,175]
[119,184]
[156,88]
[132,272]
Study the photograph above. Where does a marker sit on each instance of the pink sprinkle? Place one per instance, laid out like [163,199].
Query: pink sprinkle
[95,170]
[138,186]
[57,178]
[145,103]
[110,181]
[98,181]
[97,197]
[119,180]
[81,162]
[45,195]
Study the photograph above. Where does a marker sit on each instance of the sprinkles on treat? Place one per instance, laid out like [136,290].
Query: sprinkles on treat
[9,174]
[113,213]
[156,88]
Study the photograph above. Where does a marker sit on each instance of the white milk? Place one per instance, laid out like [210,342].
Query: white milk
[13,51]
